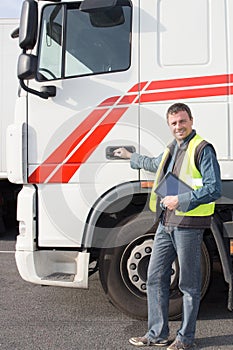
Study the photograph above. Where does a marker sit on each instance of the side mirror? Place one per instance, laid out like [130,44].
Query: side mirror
[27,66]
[103,13]
[96,5]
[108,18]
[28,25]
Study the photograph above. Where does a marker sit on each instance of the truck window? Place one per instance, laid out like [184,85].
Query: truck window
[76,43]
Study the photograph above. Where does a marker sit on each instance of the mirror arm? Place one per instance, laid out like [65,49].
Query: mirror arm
[48,91]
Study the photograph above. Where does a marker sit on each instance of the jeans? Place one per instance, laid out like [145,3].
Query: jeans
[169,243]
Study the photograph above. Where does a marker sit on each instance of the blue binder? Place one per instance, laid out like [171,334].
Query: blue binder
[171,185]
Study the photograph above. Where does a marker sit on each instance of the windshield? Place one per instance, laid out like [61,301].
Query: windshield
[76,43]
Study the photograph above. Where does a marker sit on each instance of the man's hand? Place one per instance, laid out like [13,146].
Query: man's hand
[170,202]
[122,153]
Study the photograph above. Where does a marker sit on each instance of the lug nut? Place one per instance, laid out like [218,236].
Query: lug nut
[132,266]
[148,250]
[135,278]
[143,286]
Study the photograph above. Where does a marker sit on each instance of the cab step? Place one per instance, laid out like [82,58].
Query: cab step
[59,276]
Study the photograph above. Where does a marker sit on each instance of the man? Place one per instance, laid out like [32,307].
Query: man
[182,221]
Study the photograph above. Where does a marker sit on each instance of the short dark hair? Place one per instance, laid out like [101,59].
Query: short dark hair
[178,107]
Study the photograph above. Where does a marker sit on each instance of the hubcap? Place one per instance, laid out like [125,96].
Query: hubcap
[134,265]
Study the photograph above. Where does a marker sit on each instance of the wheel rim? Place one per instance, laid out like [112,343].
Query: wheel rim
[134,265]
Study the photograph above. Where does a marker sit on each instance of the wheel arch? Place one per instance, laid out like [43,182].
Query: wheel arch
[118,202]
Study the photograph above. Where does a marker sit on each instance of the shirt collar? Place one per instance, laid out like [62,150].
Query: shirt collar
[188,138]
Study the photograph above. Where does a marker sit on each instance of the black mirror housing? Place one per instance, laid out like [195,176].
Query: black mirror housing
[96,5]
[27,65]
[15,33]
[28,25]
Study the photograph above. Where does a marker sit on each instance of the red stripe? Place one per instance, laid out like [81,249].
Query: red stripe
[109,101]
[64,173]
[41,173]
[128,99]
[67,146]
[67,170]
[138,87]
[185,82]
[183,94]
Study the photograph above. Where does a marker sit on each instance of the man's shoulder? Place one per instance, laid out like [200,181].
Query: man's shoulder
[203,145]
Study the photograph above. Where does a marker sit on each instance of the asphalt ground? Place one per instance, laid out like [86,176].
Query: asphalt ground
[48,318]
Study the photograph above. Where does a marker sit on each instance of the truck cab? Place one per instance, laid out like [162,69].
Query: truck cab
[95,76]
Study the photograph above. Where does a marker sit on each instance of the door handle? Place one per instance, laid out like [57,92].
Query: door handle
[110,149]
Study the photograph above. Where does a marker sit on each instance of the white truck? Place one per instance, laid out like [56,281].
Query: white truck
[8,91]
[96,75]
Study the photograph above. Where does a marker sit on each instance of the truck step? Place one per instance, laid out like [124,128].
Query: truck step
[59,276]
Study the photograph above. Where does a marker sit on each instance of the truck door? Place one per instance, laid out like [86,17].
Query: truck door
[184,58]
[90,59]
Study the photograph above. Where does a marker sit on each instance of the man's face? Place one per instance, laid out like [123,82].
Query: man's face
[180,125]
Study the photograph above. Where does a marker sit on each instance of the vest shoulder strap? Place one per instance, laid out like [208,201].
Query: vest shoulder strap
[198,152]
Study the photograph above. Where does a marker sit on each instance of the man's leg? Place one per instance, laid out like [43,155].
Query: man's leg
[188,247]
[158,283]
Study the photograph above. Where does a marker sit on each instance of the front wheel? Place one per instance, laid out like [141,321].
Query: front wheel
[123,268]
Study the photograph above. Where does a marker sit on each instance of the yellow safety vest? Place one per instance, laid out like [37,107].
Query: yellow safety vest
[189,174]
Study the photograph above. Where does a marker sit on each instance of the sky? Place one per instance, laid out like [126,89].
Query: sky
[10,8]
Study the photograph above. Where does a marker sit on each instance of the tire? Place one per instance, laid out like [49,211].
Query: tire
[123,268]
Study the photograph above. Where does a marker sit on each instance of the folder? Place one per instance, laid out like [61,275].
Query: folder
[171,185]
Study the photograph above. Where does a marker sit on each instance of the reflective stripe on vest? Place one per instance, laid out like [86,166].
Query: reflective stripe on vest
[189,174]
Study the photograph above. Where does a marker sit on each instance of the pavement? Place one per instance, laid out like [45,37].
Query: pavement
[35,317]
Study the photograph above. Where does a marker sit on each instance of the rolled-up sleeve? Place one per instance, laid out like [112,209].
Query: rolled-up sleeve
[211,179]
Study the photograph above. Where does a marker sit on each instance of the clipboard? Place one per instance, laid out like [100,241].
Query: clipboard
[171,185]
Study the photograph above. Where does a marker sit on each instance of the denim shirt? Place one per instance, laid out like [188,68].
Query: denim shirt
[208,167]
